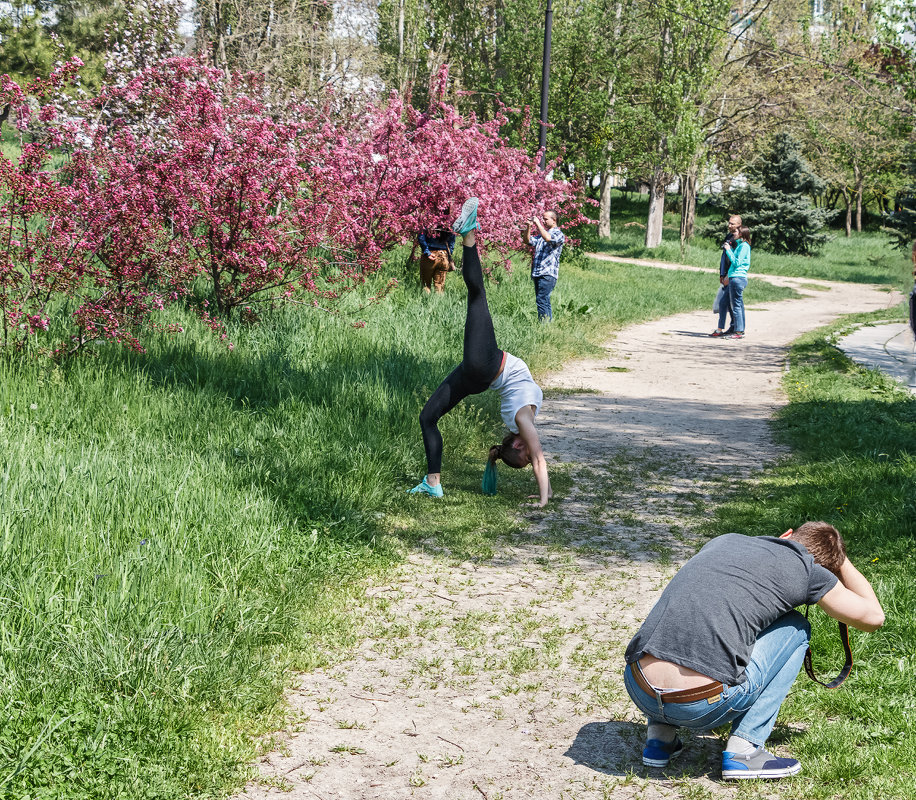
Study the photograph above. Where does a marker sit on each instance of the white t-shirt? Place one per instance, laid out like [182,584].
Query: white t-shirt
[516,388]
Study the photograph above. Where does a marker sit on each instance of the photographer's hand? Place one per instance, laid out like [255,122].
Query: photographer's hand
[853,601]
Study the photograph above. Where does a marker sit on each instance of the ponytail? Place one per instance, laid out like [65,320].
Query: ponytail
[488,484]
[509,455]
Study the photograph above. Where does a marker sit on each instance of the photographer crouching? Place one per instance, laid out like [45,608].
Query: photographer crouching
[724,645]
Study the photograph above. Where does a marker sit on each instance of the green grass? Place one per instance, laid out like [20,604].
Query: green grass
[865,257]
[853,437]
[180,530]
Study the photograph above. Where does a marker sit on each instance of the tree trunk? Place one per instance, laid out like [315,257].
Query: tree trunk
[848,201]
[656,209]
[604,204]
[688,205]
[401,75]
[860,181]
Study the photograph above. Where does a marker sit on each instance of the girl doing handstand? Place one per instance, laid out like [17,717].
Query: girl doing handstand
[483,367]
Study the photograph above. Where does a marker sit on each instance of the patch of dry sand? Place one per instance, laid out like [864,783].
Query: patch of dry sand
[502,679]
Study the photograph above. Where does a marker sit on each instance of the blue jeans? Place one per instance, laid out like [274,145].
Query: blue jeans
[725,307]
[751,707]
[543,286]
[736,287]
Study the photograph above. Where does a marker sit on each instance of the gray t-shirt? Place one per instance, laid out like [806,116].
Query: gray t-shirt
[709,616]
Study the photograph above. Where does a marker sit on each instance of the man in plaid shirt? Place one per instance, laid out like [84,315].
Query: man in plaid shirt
[547,242]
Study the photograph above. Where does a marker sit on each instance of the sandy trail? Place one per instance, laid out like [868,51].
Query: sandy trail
[502,678]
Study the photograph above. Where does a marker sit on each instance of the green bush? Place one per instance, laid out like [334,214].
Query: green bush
[776,203]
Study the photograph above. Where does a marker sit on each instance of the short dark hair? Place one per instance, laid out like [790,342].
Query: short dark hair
[824,542]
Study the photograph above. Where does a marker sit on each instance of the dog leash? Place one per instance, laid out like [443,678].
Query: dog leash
[847,667]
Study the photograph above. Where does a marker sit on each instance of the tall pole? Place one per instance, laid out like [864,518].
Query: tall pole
[545,84]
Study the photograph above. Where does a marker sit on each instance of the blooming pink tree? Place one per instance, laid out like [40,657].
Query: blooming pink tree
[406,171]
[177,176]
[51,275]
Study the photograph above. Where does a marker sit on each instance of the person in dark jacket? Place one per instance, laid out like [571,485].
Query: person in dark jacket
[734,222]
[436,258]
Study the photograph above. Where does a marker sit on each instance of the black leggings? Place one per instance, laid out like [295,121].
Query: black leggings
[482,360]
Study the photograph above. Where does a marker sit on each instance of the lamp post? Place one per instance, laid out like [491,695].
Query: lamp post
[545,83]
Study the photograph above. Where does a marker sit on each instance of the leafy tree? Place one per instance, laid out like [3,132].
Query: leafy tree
[898,54]
[858,152]
[494,50]
[776,203]
[670,84]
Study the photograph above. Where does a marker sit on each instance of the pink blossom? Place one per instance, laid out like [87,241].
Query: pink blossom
[195,176]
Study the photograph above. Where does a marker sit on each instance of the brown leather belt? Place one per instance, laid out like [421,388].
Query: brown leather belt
[681,696]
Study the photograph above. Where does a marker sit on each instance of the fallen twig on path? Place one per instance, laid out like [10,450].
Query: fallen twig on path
[454,744]
[370,699]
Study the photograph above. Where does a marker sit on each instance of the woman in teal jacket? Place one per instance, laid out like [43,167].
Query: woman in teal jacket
[739,257]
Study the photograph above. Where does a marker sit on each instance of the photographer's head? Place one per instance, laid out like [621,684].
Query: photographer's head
[824,542]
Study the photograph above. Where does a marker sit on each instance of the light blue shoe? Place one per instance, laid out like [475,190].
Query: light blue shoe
[424,488]
[467,219]
[757,764]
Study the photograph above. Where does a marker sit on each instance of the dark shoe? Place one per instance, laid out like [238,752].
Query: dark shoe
[657,753]
[717,333]
[757,764]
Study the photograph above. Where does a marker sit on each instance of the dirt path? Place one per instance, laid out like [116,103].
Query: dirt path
[502,679]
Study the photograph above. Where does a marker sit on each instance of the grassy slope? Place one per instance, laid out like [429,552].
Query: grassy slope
[180,529]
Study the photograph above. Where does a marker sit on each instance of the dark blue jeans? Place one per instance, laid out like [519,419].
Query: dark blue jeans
[543,286]
[736,287]
[725,307]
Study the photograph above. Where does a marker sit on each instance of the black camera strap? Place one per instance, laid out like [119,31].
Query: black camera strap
[847,667]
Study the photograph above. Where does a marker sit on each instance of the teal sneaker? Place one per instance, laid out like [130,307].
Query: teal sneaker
[424,488]
[467,219]
[757,764]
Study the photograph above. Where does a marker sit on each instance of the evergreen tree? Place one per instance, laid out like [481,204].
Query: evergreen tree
[901,223]
[35,34]
[25,48]
[776,203]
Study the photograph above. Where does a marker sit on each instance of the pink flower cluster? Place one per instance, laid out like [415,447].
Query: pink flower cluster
[182,179]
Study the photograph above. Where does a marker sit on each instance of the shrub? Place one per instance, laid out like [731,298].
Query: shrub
[776,203]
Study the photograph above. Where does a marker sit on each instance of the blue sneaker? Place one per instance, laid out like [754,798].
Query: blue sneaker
[424,488]
[757,764]
[657,753]
[467,219]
